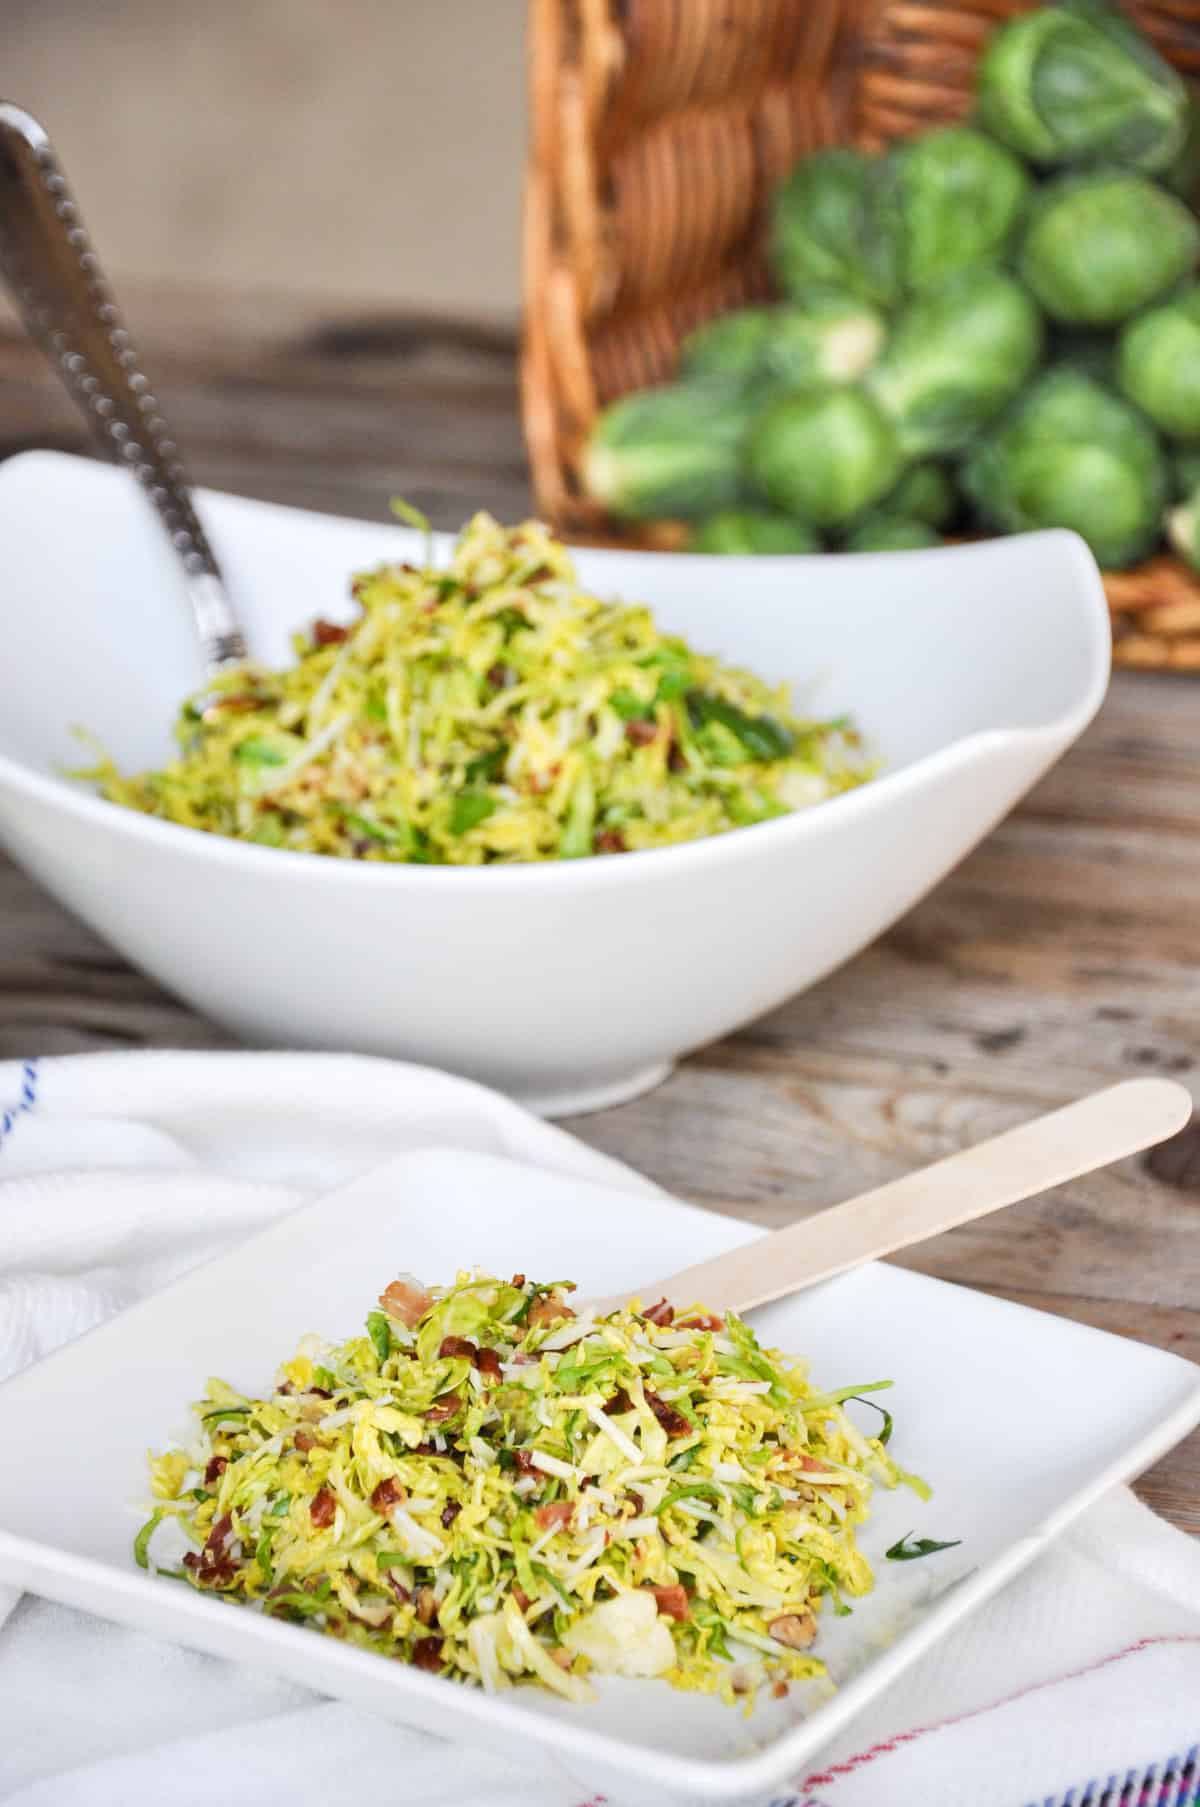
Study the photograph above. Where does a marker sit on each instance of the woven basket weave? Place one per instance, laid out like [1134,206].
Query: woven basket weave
[660,129]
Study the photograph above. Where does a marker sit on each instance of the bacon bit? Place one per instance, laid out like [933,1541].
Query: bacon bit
[323,1508]
[672,1421]
[780,1691]
[328,633]
[427,1654]
[522,1359]
[562,1656]
[554,1516]
[610,840]
[450,1512]
[539,782]
[219,1536]
[661,1314]
[550,1310]
[795,1629]
[523,1458]
[287,1387]
[242,701]
[702,1320]
[426,1605]
[501,676]
[453,1346]
[487,1361]
[641,731]
[304,1441]
[518,1279]
[447,1405]
[215,1566]
[620,1402]
[319,1392]
[407,1304]
[521,1597]
[676,761]
[810,1465]
[389,1493]
[672,1601]
[215,1469]
[191,1559]
[398,1588]
[541,575]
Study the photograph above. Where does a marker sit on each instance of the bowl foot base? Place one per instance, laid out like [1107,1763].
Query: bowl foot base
[578,1101]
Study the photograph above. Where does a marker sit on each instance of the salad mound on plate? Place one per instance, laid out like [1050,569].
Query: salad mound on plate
[492,1487]
[489,711]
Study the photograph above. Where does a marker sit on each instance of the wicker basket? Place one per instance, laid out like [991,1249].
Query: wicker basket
[659,130]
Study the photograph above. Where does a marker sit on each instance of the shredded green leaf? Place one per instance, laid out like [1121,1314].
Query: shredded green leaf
[904,1551]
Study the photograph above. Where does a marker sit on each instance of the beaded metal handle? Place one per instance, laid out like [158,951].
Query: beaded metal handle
[59,289]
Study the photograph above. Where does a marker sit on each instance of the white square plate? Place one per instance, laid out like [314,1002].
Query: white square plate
[1017,1419]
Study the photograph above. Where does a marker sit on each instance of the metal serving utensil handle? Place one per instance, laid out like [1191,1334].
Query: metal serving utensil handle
[67,306]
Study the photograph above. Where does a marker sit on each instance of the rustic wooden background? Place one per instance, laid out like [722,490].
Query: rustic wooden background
[1060,956]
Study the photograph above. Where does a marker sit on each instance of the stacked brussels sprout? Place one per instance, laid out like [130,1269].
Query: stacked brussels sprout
[993,326]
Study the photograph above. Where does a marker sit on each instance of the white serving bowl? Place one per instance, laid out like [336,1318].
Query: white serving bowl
[571,985]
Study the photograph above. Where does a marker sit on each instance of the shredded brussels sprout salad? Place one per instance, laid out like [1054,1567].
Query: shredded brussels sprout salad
[489,711]
[494,1488]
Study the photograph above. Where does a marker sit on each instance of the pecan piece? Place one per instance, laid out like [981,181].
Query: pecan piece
[323,1508]
[389,1493]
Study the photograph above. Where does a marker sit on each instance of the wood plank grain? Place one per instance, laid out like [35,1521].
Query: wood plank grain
[1060,956]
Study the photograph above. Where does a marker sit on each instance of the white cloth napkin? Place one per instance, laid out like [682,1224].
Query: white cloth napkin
[119,1171]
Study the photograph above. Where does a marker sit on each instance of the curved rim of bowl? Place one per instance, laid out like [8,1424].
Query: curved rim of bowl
[709,850]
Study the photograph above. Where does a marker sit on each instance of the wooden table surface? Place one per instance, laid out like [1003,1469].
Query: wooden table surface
[1059,957]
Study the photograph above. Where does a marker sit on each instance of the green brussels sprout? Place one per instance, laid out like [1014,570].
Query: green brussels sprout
[1183,177]
[731,346]
[1182,524]
[925,493]
[958,197]
[1100,246]
[831,227]
[883,531]
[1158,364]
[753,530]
[1071,454]
[955,358]
[829,337]
[670,451]
[1076,83]
[823,454]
